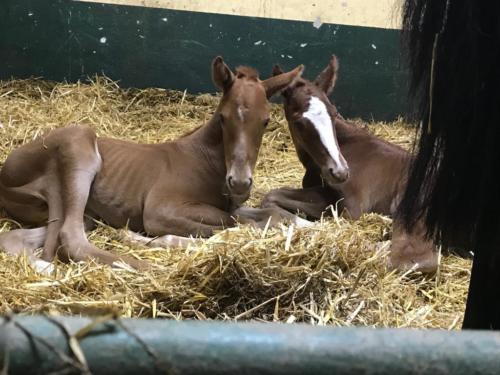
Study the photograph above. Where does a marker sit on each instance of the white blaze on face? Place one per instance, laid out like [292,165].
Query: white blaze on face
[320,118]
[241,113]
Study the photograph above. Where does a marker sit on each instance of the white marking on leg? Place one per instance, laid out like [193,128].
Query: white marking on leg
[168,240]
[320,118]
[171,240]
[42,266]
[302,223]
[124,266]
[132,236]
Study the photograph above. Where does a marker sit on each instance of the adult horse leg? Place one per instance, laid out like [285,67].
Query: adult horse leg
[482,310]
[411,250]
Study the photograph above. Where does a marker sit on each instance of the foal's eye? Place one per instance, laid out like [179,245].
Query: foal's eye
[266,122]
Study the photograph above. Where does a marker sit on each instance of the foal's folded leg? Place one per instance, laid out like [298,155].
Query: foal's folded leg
[310,201]
[176,223]
[77,164]
[168,240]
[25,242]
[260,217]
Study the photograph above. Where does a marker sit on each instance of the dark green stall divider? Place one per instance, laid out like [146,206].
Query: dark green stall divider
[144,47]
[39,345]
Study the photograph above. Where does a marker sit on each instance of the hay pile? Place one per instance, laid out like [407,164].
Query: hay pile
[332,274]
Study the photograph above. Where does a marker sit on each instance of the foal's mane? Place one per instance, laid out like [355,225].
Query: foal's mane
[247,72]
[189,132]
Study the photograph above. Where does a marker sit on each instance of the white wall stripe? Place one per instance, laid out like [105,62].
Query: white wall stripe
[369,13]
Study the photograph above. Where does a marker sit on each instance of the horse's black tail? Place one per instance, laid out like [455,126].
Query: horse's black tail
[453,49]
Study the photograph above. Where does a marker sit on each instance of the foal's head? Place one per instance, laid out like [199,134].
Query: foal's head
[311,119]
[243,114]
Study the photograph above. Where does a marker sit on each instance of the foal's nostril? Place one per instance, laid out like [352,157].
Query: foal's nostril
[341,175]
[239,185]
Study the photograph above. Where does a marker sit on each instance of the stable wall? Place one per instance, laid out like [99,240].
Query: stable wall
[170,44]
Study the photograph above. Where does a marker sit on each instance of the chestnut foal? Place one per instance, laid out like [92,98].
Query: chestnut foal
[187,187]
[376,178]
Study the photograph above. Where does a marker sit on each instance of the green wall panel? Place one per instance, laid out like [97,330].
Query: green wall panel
[144,47]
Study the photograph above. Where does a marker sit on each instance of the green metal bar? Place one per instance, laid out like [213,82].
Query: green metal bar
[192,347]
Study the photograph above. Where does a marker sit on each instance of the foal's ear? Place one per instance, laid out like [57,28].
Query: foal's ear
[277,70]
[281,81]
[222,76]
[327,78]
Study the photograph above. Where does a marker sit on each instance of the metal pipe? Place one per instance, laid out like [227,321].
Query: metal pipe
[135,346]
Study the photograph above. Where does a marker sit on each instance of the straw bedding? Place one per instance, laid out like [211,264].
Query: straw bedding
[331,274]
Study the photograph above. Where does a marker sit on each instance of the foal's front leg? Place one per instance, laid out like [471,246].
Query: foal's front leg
[168,240]
[261,217]
[310,201]
[177,224]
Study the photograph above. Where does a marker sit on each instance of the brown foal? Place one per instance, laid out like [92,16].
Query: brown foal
[374,182]
[187,187]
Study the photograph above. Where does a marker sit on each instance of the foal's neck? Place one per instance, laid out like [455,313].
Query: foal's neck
[207,141]
[210,133]
[346,131]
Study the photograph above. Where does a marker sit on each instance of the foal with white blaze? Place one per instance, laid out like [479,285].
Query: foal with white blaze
[187,187]
[374,182]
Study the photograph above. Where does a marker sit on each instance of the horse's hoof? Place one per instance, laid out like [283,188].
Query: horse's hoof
[303,223]
[43,267]
[424,267]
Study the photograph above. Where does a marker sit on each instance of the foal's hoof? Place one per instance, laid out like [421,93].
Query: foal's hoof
[129,236]
[128,263]
[43,267]
[411,252]
[303,223]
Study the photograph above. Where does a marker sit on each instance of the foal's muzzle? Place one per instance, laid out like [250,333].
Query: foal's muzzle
[239,188]
[340,174]
[334,176]
[239,185]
